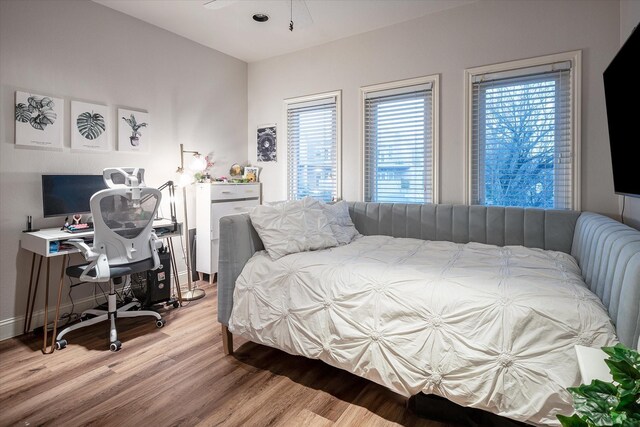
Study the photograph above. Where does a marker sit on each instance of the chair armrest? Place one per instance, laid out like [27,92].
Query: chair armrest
[99,262]
[155,244]
[101,266]
[86,251]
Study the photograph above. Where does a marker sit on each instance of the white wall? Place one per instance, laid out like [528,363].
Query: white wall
[81,50]
[629,19]
[485,32]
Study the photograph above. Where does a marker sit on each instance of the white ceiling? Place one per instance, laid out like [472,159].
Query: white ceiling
[227,25]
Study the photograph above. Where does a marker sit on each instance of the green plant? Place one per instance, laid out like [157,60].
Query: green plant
[609,404]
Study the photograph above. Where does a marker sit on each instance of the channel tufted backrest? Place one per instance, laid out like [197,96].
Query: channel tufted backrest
[608,254]
[533,228]
[607,251]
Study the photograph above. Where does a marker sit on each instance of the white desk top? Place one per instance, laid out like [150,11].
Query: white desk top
[40,241]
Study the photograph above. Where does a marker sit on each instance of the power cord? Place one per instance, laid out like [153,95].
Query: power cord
[624,198]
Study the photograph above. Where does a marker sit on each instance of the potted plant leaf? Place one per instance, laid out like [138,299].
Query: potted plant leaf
[135,126]
[609,404]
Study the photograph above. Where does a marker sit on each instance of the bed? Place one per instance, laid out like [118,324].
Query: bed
[479,305]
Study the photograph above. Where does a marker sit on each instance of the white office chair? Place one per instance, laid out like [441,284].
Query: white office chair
[124,243]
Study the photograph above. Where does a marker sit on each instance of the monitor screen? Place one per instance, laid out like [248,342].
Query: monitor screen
[69,194]
[622,92]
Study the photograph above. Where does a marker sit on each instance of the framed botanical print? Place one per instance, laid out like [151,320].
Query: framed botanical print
[39,120]
[133,130]
[89,126]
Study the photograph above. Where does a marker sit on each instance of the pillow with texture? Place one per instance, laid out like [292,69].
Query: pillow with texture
[341,225]
[294,226]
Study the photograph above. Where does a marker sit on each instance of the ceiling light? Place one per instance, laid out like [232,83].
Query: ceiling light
[260,17]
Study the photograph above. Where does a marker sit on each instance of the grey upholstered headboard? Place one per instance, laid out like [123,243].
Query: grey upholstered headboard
[533,228]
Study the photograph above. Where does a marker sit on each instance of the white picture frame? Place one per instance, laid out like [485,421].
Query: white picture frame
[133,130]
[39,120]
[89,126]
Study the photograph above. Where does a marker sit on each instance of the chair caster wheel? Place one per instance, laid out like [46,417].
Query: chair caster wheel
[115,346]
[160,323]
[60,344]
[176,304]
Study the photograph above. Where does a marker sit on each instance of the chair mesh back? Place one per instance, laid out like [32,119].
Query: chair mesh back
[123,223]
[123,217]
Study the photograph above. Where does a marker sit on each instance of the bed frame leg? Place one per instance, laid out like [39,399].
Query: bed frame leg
[227,340]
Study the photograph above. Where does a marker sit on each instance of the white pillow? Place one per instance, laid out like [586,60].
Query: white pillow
[294,226]
[341,225]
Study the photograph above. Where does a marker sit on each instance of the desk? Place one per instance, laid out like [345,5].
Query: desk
[42,245]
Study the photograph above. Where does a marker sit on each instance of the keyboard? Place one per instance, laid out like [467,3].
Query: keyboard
[79,228]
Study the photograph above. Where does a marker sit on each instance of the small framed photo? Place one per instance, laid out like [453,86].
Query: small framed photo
[251,173]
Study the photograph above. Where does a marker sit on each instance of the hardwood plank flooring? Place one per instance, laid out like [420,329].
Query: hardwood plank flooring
[178,375]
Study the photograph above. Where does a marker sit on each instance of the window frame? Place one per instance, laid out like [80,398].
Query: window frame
[434,80]
[337,95]
[575,57]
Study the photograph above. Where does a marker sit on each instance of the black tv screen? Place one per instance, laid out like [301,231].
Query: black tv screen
[65,195]
[622,94]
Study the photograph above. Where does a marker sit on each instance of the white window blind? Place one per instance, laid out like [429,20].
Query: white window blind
[522,144]
[398,145]
[312,150]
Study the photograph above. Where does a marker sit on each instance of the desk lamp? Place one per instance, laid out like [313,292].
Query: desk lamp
[198,162]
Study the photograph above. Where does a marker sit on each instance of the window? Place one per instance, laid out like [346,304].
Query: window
[399,131]
[313,146]
[523,140]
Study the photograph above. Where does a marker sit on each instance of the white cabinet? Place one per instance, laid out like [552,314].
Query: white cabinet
[214,201]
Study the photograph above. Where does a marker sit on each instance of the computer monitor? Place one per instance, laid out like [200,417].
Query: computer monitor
[66,195]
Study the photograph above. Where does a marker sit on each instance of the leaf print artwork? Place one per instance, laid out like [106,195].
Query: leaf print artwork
[38,120]
[38,113]
[135,126]
[133,130]
[45,116]
[90,125]
[22,113]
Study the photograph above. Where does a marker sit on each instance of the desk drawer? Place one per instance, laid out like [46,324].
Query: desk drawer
[240,191]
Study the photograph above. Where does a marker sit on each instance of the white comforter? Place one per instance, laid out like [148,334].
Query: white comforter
[483,326]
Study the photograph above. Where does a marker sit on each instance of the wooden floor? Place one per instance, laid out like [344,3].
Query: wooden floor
[178,375]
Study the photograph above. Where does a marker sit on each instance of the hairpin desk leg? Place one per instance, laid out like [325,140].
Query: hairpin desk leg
[31,299]
[46,308]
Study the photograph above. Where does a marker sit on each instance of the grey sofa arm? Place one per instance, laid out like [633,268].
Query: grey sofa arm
[608,254]
[238,242]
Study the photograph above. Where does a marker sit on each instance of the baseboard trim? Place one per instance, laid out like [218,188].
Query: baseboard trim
[14,326]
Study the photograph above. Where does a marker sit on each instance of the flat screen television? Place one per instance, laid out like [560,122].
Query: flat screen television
[66,195]
[622,94]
